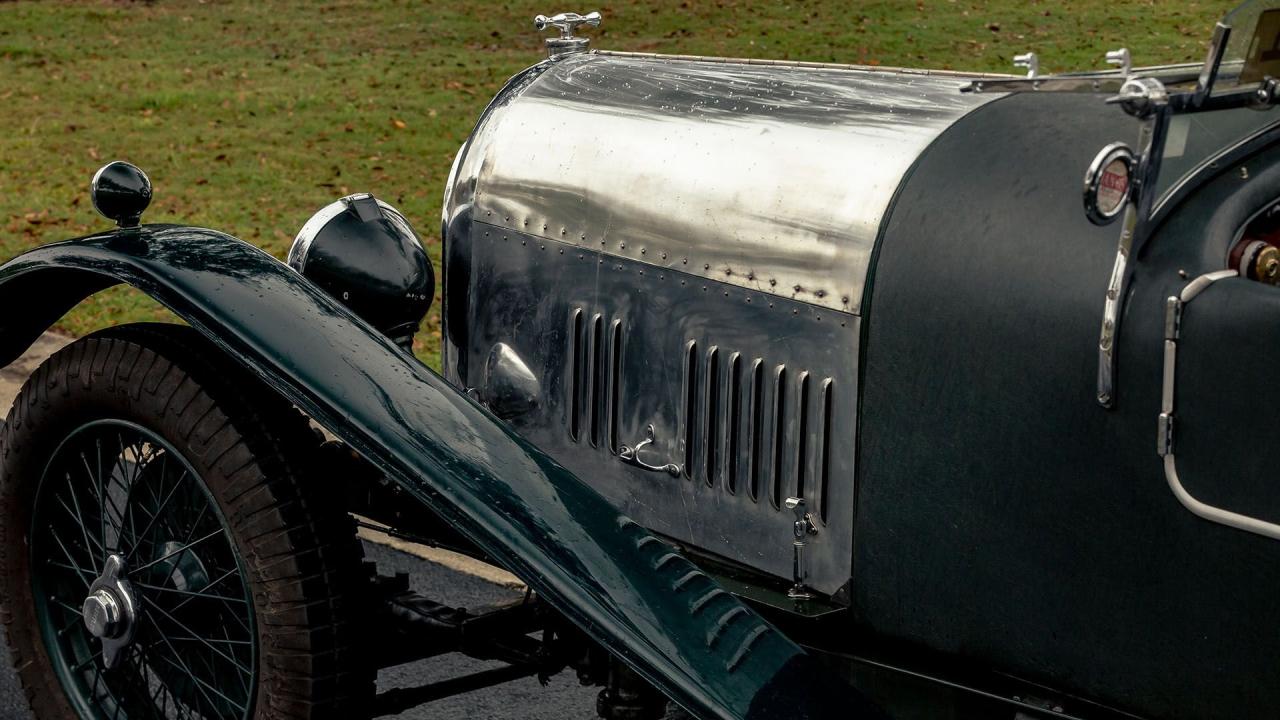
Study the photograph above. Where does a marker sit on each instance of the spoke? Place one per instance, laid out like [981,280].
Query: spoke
[79,517]
[102,498]
[182,666]
[142,684]
[54,563]
[133,524]
[93,691]
[115,714]
[75,565]
[90,542]
[99,492]
[234,616]
[179,551]
[192,593]
[211,640]
[160,510]
[243,684]
[195,636]
[77,620]
[86,662]
[144,669]
[69,608]
[213,584]
[204,508]
[201,685]
[142,657]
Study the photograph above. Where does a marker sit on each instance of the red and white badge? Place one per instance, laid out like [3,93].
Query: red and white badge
[1107,183]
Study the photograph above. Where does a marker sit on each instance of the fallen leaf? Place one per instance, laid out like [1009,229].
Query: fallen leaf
[399,124]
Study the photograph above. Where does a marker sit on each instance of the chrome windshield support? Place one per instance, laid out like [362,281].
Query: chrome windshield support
[1147,100]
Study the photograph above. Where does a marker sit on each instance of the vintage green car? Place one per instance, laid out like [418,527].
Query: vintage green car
[790,390]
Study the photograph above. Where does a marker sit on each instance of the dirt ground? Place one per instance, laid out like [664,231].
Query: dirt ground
[12,377]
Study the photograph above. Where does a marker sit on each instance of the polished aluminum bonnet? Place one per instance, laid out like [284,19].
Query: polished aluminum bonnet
[770,176]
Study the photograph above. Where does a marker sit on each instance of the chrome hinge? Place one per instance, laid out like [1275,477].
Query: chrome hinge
[1172,318]
[1164,434]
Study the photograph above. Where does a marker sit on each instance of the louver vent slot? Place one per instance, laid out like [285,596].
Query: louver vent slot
[824,473]
[595,377]
[690,405]
[575,374]
[615,382]
[757,427]
[596,386]
[735,422]
[765,430]
[711,439]
[779,435]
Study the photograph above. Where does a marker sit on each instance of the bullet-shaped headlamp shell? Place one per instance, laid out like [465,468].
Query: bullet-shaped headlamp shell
[364,253]
[120,192]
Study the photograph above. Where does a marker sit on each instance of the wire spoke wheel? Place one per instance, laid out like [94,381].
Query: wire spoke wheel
[168,548]
[169,633]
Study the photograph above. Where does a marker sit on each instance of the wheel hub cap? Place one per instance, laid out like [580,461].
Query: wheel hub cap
[102,614]
[110,611]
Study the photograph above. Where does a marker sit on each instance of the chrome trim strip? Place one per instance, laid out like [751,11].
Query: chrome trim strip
[1166,424]
[889,70]
[297,258]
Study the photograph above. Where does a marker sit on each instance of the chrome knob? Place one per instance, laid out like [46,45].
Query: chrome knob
[102,614]
[1028,61]
[567,23]
[1121,58]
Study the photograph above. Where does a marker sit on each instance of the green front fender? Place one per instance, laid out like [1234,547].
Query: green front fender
[605,573]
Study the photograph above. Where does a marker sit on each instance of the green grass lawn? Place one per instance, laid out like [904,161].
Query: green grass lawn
[249,116]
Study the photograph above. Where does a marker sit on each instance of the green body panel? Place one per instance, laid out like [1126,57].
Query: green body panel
[604,572]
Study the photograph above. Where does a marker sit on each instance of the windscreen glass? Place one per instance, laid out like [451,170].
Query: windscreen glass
[1253,49]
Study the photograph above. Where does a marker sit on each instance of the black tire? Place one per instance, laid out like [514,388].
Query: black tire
[298,556]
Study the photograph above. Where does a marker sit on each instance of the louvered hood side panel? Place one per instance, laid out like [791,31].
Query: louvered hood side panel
[750,397]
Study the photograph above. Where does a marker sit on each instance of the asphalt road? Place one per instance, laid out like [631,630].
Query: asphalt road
[444,578]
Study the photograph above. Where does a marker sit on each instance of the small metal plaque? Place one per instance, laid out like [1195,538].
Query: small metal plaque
[1107,183]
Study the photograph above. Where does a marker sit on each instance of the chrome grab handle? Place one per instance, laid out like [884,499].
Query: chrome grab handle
[631,456]
[567,22]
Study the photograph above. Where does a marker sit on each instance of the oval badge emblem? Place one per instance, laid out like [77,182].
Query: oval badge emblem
[1107,183]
